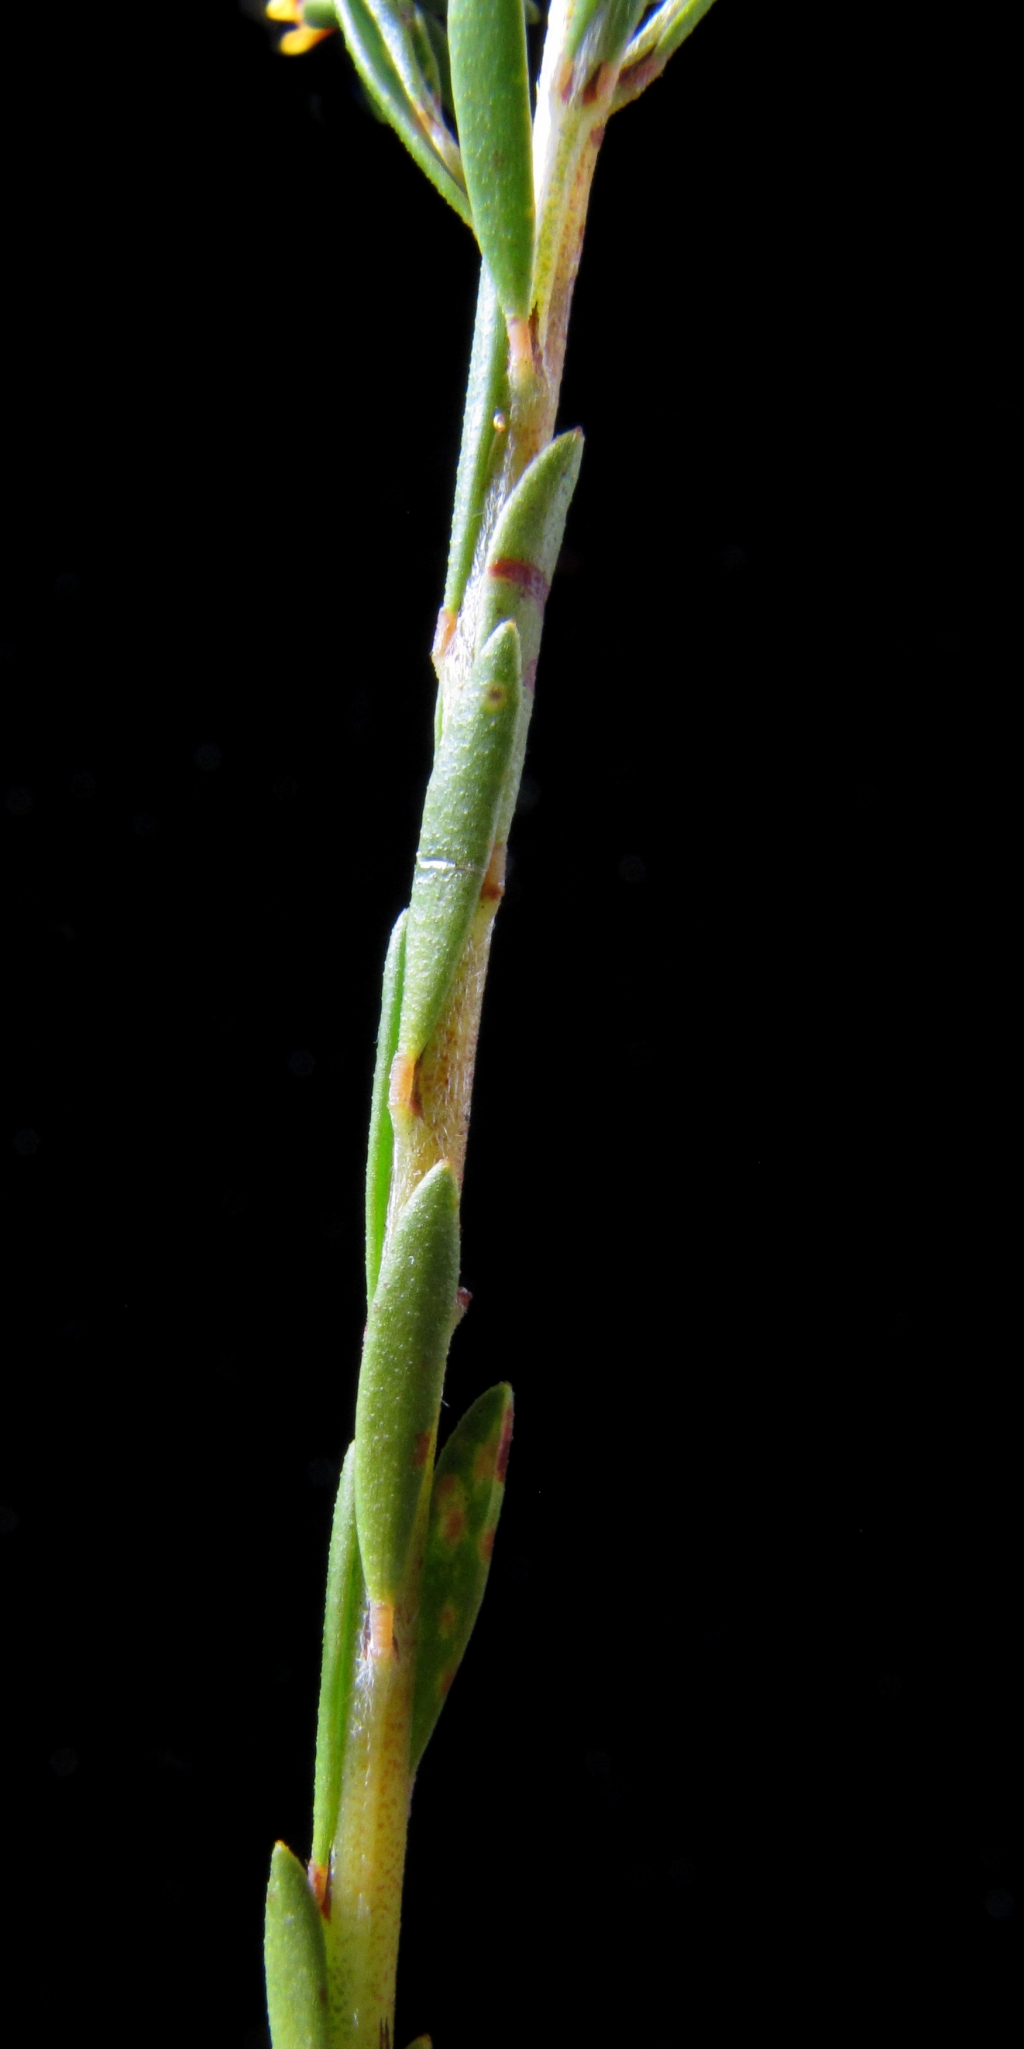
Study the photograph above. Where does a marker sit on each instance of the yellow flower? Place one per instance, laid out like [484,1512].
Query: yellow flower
[310,24]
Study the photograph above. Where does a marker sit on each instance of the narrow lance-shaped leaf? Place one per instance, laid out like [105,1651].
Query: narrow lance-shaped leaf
[294,1958]
[457,833]
[465,1503]
[373,62]
[343,1615]
[487,395]
[437,36]
[408,45]
[525,546]
[381,1145]
[487,47]
[517,576]
[407,1333]
[597,31]
[428,39]
[658,40]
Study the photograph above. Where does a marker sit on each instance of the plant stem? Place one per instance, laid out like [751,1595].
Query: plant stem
[515,481]
[440,1128]
[369,1848]
[361,1925]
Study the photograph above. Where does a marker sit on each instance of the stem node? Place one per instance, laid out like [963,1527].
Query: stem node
[383,1649]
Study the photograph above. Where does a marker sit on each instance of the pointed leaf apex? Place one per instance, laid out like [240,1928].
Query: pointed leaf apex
[490,88]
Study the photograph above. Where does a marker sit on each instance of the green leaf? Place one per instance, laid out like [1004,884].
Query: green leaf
[319,14]
[517,575]
[465,1503]
[457,834]
[372,59]
[425,50]
[658,40]
[679,21]
[437,36]
[487,393]
[343,1615]
[407,1333]
[487,45]
[396,27]
[525,545]
[294,1958]
[597,31]
[381,1144]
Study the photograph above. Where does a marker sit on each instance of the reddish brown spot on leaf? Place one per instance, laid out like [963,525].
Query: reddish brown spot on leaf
[464,1297]
[420,1449]
[639,75]
[492,888]
[453,1524]
[525,575]
[597,135]
[446,1680]
[319,1876]
[450,1501]
[486,1545]
[447,1619]
[598,82]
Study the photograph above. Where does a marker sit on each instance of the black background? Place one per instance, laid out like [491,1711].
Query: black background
[736,1744]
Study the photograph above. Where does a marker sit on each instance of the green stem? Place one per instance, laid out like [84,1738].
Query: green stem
[369,1845]
[364,1897]
[368,1862]
[514,485]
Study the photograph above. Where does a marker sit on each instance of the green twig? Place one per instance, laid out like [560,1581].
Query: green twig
[411,1543]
